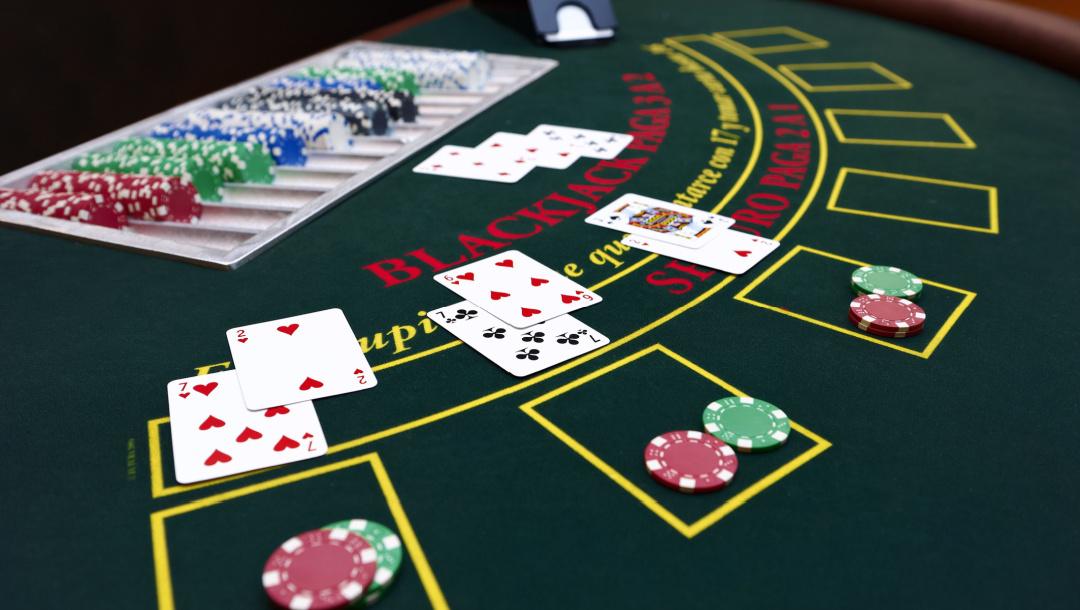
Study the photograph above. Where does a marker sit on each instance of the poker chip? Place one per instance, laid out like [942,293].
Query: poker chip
[194,170]
[690,461]
[158,198]
[432,69]
[387,546]
[886,314]
[235,161]
[321,569]
[886,281]
[88,208]
[747,424]
[899,333]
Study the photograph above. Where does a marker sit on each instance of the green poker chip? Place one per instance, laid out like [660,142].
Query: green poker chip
[387,547]
[886,281]
[747,424]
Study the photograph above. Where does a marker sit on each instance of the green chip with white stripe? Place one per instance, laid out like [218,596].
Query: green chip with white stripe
[387,547]
[886,281]
[747,424]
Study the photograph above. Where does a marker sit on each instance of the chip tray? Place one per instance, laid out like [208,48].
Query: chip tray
[251,217]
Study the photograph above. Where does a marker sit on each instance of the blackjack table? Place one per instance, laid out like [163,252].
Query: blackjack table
[927,471]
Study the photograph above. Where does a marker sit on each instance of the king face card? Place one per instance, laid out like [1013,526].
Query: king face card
[660,220]
[731,252]
[518,352]
[214,435]
[587,142]
[517,289]
[299,358]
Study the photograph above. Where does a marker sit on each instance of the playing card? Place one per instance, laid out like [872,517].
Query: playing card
[660,220]
[518,352]
[552,155]
[462,162]
[731,252]
[300,358]
[214,435]
[517,289]
[587,142]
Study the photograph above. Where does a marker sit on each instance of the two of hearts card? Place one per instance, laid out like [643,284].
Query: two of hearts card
[260,413]
[683,233]
[516,313]
[508,157]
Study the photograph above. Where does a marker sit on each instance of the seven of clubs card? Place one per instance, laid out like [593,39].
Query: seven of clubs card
[517,289]
[463,162]
[213,435]
[300,358]
[586,142]
[731,252]
[660,220]
[518,352]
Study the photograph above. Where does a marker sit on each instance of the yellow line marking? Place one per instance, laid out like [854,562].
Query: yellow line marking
[159,490]
[808,43]
[926,352]
[755,114]
[895,81]
[823,144]
[991,191]
[965,142]
[162,570]
[686,529]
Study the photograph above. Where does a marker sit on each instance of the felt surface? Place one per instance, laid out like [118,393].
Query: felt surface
[928,472]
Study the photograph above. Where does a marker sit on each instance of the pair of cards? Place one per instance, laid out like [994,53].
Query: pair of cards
[507,157]
[516,313]
[683,233]
[260,414]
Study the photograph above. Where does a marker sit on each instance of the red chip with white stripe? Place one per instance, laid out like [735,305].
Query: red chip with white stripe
[690,461]
[319,570]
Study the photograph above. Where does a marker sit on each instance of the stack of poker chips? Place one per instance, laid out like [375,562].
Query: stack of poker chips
[455,70]
[362,115]
[237,161]
[284,144]
[400,105]
[355,563]
[391,79]
[195,170]
[318,131]
[694,461]
[86,208]
[885,304]
[156,198]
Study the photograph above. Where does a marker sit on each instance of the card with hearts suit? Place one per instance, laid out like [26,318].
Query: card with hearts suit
[214,435]
[304,357]
[517,289]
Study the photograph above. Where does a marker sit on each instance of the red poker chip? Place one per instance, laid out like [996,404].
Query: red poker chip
[886,313]
[690,461]
[880,332]
[320,570]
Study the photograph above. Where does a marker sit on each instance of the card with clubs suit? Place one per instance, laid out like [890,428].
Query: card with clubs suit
[462,162]
[731,252]
[214,435]
[587,142]
[517,289]
[661,221]
[518,352]
[543,154]
[300,358]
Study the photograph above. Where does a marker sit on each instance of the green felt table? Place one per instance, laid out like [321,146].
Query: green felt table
[931,471]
